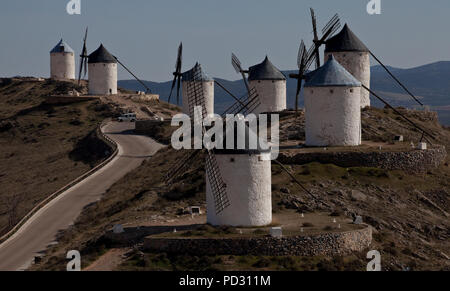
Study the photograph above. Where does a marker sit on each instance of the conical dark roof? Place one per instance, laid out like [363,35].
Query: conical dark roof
[62,47]
[331,74]
[345,41]
[265,71]
[101,55]
[188,76]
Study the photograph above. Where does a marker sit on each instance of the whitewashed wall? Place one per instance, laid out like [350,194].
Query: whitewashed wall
[249,189]
[332,119]
[102,78]
[208,92]
[272,94]
[62,66]
[357,64]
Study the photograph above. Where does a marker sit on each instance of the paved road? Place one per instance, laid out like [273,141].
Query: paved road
[18,252]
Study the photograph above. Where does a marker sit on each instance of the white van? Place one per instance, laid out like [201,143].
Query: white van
[131,117]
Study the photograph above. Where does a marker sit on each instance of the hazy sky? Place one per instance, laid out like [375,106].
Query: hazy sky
[145,34]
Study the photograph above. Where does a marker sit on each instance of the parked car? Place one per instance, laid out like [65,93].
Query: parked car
[130,117]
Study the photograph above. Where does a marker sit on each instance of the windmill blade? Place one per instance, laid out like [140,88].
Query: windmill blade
[196,97]
[81,70]
[316,38]
[177,74]
[236,63]
[333,21]
[181,167]
[301,54]
[83,57]
[179,58]
[178,89]
[218,186]
[330,31]
[178,70]
[173,86]
[311,57]
[238,67]
[247,104]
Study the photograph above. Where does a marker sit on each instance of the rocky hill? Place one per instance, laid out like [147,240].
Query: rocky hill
[408,212]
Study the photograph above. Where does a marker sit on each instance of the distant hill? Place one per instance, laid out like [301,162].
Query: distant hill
[431,83]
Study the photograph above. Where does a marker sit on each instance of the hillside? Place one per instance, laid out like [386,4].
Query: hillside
[409,213]
[430,82]
[43,147]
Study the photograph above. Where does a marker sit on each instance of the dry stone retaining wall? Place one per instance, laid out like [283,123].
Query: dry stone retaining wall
[329,244]
[416,161]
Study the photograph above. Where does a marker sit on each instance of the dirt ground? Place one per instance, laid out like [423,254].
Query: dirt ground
[407,212]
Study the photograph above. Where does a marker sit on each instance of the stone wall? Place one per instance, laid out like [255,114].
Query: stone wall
[329,244]
[415,161]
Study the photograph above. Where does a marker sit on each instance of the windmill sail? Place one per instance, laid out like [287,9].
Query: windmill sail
[83,58]
[177,74]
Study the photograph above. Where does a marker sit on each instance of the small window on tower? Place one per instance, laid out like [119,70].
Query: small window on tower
[331,91]
[232,160]
[351,90]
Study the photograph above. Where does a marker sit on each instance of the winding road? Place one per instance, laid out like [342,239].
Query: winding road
[18,252]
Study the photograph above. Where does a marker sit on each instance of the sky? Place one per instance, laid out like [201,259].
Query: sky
[144,34]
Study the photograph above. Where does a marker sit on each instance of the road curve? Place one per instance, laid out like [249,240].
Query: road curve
[40,231]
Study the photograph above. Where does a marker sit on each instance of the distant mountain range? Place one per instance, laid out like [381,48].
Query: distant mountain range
[430,83]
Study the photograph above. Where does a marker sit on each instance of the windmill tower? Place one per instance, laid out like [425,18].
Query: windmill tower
[270,84]
[102,67]
[351,53]
[238,182]
[62,62]
[332,106]
[248,176]
[207,87]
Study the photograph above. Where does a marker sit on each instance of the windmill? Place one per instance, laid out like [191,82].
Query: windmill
[196,98]
[83,59]
[217,184]
[305,58]
[177,74]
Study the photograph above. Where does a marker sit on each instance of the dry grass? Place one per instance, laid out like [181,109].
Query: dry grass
[43,147]
[409,230]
